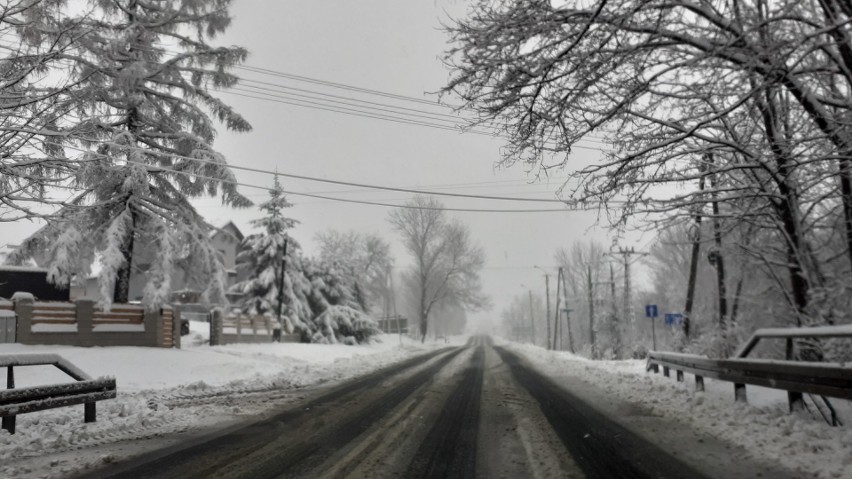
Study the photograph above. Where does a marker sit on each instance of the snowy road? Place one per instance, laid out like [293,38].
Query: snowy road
[473,411]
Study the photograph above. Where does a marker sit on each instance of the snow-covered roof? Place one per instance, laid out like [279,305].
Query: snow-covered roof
[229,229]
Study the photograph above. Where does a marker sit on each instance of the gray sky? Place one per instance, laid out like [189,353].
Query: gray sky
[395,47]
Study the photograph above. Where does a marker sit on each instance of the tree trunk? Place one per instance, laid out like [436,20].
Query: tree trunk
[121,290]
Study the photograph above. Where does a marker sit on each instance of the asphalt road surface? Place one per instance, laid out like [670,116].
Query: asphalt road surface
[477,411]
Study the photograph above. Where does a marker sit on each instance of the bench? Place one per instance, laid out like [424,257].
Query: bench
[84,390]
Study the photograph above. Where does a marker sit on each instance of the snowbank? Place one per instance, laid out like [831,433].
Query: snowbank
[763,428]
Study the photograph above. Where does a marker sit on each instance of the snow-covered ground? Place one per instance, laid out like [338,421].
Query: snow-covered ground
[166,391]
[762,429]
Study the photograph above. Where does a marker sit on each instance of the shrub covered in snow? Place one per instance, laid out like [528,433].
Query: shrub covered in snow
[342,324]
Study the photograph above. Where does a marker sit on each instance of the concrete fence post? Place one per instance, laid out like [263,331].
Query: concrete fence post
[84,310]
[153,327]
[216,326]
[176,325]
[23,305]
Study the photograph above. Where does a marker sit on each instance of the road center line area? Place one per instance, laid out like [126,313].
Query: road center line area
[477,411]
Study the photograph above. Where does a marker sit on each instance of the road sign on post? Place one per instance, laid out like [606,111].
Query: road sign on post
[674,319]
[651,312]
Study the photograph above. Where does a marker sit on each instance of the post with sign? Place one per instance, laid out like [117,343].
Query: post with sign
[651,312]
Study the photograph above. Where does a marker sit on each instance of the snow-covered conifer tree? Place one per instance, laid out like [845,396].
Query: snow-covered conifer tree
[340,314]
[143,117]
[262,257]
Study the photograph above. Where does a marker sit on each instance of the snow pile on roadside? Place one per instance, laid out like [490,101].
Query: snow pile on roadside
[763,428]
[163,391]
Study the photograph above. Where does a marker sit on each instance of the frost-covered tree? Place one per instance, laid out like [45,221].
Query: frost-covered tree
[263,258]
[365,259]
[338,312]
[143,117]
[446,262]
[30,161]
[752,96]
[341,324]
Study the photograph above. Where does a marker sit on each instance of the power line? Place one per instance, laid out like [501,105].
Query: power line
[372,111]
[378,116]
[326,180]
[372,203]
[353,184]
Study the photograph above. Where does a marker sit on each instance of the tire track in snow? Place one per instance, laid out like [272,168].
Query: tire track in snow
[601,447]
[164,462]
[449,449]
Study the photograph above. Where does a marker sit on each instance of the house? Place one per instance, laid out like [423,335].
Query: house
[226,239]
[32,280]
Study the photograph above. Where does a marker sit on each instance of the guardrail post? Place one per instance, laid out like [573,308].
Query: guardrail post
[666,371]
[740,393]
[9,421]
[679,375]
[796,401]
[90,412]
[699,383]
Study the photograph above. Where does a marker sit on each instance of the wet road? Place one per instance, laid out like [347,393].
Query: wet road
[472,411]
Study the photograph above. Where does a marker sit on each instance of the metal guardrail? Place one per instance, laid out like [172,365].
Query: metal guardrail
[843,331]
[84,391]
[824,379]
[796,377]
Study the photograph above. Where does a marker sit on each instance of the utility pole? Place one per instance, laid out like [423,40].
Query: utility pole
[616,330]
[556,335]
[695,236]
[591,291]
[532,320]
[567,311]
[715,257]
[625,254]
[547,300]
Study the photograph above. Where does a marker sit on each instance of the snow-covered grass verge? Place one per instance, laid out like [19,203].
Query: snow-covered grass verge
[763,429]
[165,391]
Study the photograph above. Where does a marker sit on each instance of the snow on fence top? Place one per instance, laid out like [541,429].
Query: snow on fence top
[30,359]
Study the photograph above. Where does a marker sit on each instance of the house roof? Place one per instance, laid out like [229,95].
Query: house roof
[230,229]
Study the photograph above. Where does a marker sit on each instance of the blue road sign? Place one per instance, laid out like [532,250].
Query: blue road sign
[674,319]
[651,310]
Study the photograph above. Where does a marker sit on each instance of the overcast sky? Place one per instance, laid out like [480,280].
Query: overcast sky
[389,46]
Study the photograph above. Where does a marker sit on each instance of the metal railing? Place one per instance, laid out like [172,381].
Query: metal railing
[84,391]
[795,377]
